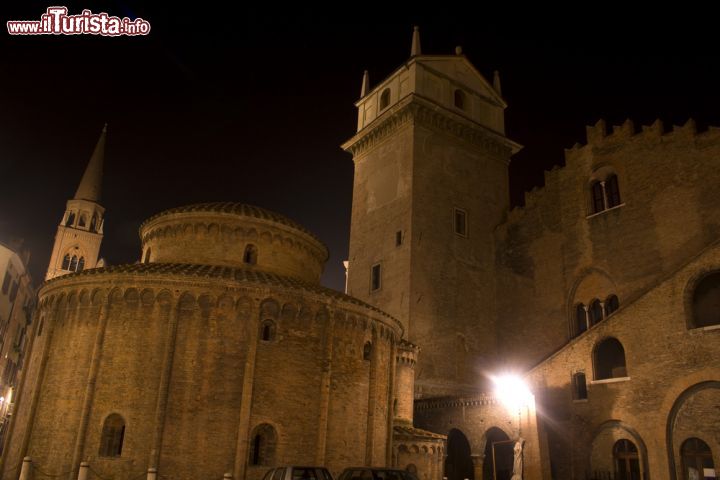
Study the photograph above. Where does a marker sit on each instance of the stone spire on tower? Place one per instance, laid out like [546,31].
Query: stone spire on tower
[365,84]
[90,186]
[415,49]
[80,233]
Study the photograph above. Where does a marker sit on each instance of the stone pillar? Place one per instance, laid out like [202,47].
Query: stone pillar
[152,473]
[241,451]
[392,370]
[325,380]
[83,471]
[163,386]
[26,469]
[227,476]
[478,460]
[90,383]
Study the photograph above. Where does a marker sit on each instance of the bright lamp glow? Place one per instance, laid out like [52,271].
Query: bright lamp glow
[512,391]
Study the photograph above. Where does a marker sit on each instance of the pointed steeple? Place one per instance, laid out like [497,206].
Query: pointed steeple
[415,49]
[496,82]
[91,184]
[365,84]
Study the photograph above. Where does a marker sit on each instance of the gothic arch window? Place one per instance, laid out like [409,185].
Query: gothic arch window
[263,442]
[598,202]
[581,321]
[250,255]
[696,457]
[604,191]
[113,434]
[612,191]
[81,264]
[267,331]
[706,301]
[367,351]
[611,305]
[70,219]
[73,263]
[93,224]
[385,99]
[66,262]
[82,221]
[609,359]
[626,459]
[459,99]
[596,312]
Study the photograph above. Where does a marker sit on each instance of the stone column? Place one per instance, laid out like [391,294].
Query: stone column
[325,380]
[478,460]
[172,316]
[392,368]
[241,450]
[90,384]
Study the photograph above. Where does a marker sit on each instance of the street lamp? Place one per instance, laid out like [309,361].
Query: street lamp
[514,394]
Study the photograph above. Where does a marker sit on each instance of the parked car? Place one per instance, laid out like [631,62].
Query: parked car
[298,473]
[367,473]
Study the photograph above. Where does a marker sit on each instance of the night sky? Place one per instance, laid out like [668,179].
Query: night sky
[234,104]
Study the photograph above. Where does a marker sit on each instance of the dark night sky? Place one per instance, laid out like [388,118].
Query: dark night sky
[231,104]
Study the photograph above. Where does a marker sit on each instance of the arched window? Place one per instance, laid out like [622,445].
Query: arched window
[70,219]
[598,199]
[262,445]
[82,221]
[93,224]
[696,457]
[581,323]
[579,386]
[113,433]
[385,99]
[596,312]
[706,301]
[627,462]
[73,263]
[459,99]
[267,332]
[147,256]
[66,262]
[609,359]
[611,305]
[81,264]
[367,351]
[612,191]
[250,255]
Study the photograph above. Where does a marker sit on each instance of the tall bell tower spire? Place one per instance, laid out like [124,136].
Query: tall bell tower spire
[80,233]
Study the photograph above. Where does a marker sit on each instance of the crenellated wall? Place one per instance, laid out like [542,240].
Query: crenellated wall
[555,252]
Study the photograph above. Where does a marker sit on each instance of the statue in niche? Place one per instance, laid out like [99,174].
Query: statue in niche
[518,460]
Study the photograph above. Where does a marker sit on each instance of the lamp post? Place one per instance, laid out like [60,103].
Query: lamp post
[514,394]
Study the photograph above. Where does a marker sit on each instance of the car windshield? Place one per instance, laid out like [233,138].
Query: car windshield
[304,473]
[388,475]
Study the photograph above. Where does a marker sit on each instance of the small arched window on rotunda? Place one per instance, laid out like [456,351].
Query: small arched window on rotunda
[70,219]
[367,351]
[262,445]
[250,255]
[385,99]
[81,264]
[93,224]
[113,434]
[267,331]
[82,221]
[147,256]
[459,99]
[66,262]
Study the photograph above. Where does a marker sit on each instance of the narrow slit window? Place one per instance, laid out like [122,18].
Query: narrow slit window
[375,280]
[460,222]
[398,238]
